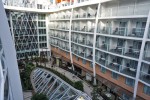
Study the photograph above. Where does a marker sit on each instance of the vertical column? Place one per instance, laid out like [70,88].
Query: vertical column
[141,56]
[47,35]
[70,38]
[94,41]
[38,33]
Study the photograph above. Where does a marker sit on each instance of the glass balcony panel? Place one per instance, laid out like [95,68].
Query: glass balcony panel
[82,41]
[122,31]
[77,28]
[117,49]
[146,55]
[91,30]
[128,70]
[89,56]
[100,60]
[89,43]
[98,29]
[84,15]
[149,33]
[131,52]
[67,48]
[145,77]
[84,29]
[105,30]
[103,46]
[76,40]
[137,32]
[113,65]
[145,72]
[76,51]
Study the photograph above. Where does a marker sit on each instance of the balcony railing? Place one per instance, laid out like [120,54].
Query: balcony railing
[83,42]
[80,53]
[128,71]
[103,46]
[128,51]
[145,77]
[113,65]
[122,31]
[100,60]
[147,55]
[149,33]
[104,30]
[137,32]
[89,56]
[117,49]
[141,9]
[131,52]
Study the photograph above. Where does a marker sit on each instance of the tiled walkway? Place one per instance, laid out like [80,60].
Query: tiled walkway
[27,95]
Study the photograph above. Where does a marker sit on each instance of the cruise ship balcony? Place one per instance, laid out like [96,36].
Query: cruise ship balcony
[76,51]
[82,54]
[89,55]
[100,60]
[132,52]
[117,49]
[145,77]
[145,73]
[103,46]
[89,43]
[149,33]
[91,29]
[147,52]
[63,37]
[104,30]
[82,41]
[67,48]
[76,28]
[146,56]
[137,32]
[128,71]
[56,35]
[121,31]
[129,67]
[113,65]
[84,29]
[132,48]
[117,45]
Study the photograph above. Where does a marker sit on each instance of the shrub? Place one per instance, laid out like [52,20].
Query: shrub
[78,85]
[39,97]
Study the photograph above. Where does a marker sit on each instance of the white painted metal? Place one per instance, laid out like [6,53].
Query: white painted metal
[2,82]
[94,42]
[70,39]
[10,57]
[141,56]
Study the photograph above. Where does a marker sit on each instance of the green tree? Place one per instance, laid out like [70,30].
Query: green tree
[25,76]
[78,85]
[95,93]
[39,97]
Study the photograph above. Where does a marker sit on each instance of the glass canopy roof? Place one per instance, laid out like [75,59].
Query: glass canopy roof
[55,88]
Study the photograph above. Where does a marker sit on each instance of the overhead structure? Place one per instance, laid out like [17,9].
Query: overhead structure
[43,81]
